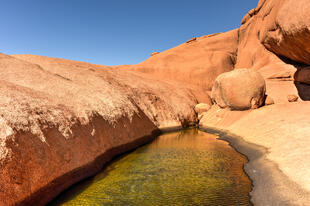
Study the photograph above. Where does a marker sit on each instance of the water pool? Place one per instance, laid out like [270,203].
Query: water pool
[188,167]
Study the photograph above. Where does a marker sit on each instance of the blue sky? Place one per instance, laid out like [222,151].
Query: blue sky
[111,32]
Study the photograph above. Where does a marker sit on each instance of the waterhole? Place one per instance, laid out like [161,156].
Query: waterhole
[188,167]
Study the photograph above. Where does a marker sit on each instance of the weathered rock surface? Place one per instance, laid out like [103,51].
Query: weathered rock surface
[61,120]
[269,100]
[200,116]
[154,53]
[202,107]
[191,40]
[281,133]
[302,75]
[288,31]
[292,98]
[196,64]
[240,89]
[252,53]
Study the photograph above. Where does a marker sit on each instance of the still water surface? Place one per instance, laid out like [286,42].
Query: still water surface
[189,167]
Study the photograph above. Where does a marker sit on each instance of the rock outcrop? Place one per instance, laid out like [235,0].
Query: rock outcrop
[302,75]
[191,40]
[269,100]
[287,31]
[154,53]
[194,64]
[61,120]
[240,89]
[292,98]
[202,107]
[253,53]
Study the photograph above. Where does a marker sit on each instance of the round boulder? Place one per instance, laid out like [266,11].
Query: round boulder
[269,100]
[202,107]
[240,89]
[292,98]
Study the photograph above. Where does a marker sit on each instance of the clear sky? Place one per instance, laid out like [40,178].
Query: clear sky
[111,32]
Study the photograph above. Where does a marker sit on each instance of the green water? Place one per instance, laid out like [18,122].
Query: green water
[189,167]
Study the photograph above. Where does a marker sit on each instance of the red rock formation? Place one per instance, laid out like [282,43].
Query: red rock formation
[195,64]
[292,98]
[302,75]
[61,120]
[240,89]
[254,53]
[288,31]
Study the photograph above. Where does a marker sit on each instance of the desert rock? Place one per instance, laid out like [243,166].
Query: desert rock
[154,53]
[59,117]
[201,115]
[191,40]
[195,65]
[240,89]
[288,30]
[269,100]
[202,107]
[302,75]
[292,98]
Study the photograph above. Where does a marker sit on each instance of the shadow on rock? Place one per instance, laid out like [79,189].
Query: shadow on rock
[303,91]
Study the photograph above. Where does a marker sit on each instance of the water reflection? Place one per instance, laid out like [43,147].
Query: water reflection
[189,167]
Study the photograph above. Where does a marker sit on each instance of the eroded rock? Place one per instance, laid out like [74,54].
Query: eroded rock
[191,40]
[195,64]
[240,89]
[292,98]
[302,75]
[269,100]
[61,120]
[202,107]
[154,53]
[288,31]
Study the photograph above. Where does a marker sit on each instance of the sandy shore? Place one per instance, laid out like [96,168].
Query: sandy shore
[278,163]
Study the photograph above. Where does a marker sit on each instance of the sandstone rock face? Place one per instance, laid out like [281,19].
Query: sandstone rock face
[292,98]
[269,100]
[254,53]
[61,120]
[289,31]
[191,40]
[196,64]
[302,75]
[202,107]
[154,53]
[240,89]
[201,115]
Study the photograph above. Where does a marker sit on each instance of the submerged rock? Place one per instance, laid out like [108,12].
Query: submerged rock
[240,89]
